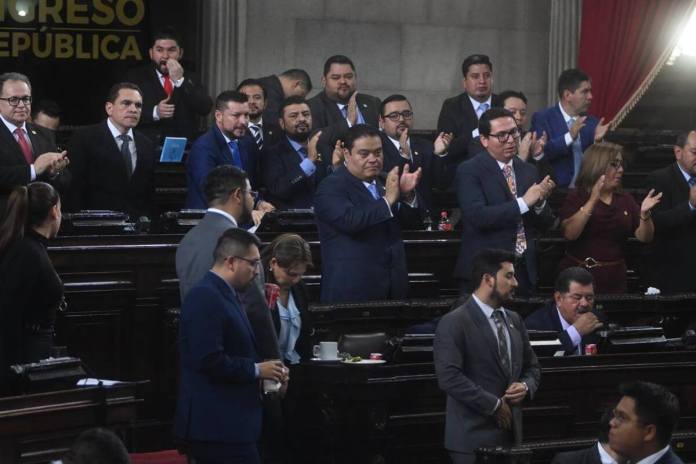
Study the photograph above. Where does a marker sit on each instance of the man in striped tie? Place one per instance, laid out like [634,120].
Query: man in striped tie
[266,133]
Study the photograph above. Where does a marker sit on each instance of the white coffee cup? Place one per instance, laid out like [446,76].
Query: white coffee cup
[326,350]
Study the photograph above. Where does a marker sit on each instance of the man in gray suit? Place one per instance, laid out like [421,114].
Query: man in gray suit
[484,362]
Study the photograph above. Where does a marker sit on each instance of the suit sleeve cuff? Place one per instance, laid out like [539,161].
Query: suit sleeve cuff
[257,372]
[32,173]
[155,114]
[497,405]
[523,206]
[568,138]
[574,335]
[692,207]
[308,167]
[389,207]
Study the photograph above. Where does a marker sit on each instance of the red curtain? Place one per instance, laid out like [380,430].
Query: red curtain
[623,45]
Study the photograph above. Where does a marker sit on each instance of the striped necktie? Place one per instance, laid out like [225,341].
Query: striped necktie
[257,132]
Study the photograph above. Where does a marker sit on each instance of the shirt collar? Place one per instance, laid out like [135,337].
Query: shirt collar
[476,103]
[686,175]
[566,116]
[397,143]
[564,323]
[487,310]
[257,124]
[115,132]
[502,165]
[296,146]
[11,127]
[653,458]
[604,456]
[225,214]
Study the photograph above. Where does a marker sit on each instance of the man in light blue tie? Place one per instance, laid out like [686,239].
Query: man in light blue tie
[570,130]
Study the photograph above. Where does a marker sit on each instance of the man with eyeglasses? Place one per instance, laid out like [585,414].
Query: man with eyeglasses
[401,148]
[27,152]
[113,164]
[571,313]
[502,200]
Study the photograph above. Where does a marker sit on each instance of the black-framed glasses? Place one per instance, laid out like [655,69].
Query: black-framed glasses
[505,136]
[617,163]
[254,193]
[253,262]
[14,101]
[395,115]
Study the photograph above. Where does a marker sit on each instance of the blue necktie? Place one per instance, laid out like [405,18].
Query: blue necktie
[236,158]
[373,190]
[692,181]
[577,154]
[303,152]
[483,107]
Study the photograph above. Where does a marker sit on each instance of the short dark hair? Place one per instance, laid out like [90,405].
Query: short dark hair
[502,96]
[116,88]
[227,96]
[97,446]
[47,107]
[683,138]
[222,181]
[293,100]
[166,33]
[475,59]
[570,80]
[654,405]
[359,131]
[392,98]
[234,242]
[572,274]
[484,125]
[489,261]
[250,82]
[300,75]
[337,59]
[13,76]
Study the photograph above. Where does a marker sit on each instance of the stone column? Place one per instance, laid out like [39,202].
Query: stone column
[564,41]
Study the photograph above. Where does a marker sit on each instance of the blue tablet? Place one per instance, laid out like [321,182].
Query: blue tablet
[173,150]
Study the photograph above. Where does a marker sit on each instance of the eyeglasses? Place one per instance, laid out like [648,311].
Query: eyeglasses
[616,164]
[622,418]
[14,101]
[395,115]
[253,193]
[505,136]
[253,262]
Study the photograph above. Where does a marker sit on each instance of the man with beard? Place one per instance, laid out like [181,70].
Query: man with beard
[113,165]
[292,169]
[265,132]
[503,202]
[173,100]
[568,127]
[227,142]
[675,218]
[401,148]
[219,408]
[339,106]
[484,362]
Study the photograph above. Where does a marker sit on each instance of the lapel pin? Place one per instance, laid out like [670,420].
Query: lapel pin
[415,153]
[364,105]
[625,213]
[33,132]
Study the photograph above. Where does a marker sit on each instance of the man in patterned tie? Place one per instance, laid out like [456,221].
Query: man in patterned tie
[503,202]
[484,362]
[27,152]
[266,133]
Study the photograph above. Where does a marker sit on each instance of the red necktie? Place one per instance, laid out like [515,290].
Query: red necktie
[24,145]
[168,88]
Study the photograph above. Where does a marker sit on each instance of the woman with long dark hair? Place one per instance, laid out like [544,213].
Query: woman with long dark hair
[30,290]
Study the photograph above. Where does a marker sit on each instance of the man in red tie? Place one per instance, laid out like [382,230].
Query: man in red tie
[27,152]
[173,99]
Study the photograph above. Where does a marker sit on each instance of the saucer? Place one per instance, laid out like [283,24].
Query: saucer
[325,360]
[366,361]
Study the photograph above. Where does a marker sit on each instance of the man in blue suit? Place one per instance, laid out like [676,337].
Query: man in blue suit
[219,404]
[503,202]
[359,218]
[227,142]
[569,129]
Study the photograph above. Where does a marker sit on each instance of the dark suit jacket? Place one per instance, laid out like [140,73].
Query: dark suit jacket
[363,256]
[434,167]
[15,171]
[287,185]
[274,97]
[556,151]
[673,253]
[303,346]
[328,118]
[190,99]
[470,372]
[584,456]
[546,318]
[210,151]
[272,133]
[458,116]
[218,398]
[100,180]
[490,214]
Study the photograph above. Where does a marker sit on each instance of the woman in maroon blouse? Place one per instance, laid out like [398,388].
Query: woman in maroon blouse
[597,218]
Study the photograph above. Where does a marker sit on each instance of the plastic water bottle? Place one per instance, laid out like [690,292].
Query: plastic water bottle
[444,225]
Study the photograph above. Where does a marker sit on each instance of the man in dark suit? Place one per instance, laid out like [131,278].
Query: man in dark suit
[601,453]
[460,115]
[358,218]
[400,148]
[113,165]
[27,152]
[568,127]
[339,106]
[219,403]
[292,169]
[503,202]
[484,362]
[227,142]
[643,423]
[172,100]
[674,217]
[265,132]
[291,83]
[571,312]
